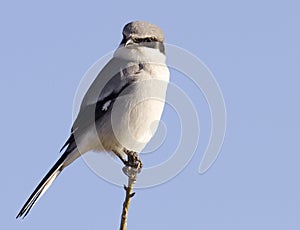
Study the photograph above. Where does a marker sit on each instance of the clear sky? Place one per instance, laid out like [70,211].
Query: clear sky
[253,50]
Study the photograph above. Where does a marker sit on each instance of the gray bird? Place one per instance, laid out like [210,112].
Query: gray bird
[120,110]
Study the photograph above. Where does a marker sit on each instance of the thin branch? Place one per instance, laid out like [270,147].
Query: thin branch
[131,169]
[126,203]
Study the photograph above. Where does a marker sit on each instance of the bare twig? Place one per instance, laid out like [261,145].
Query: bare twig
[128,196]
[131,169]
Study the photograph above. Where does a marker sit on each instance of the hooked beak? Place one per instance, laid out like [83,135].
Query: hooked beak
[128,42]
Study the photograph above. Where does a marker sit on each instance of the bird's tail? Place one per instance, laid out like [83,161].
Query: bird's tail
[71,153]
[42,187]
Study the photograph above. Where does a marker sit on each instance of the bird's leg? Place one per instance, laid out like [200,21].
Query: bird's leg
[120,157]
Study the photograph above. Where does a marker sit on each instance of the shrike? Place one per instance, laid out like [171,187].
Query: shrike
[120,110]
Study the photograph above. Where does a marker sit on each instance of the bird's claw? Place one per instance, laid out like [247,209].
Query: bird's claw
[133,164]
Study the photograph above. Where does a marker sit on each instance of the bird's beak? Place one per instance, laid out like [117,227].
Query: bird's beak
[128,42]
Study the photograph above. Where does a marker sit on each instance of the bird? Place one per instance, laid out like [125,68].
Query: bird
[119,112]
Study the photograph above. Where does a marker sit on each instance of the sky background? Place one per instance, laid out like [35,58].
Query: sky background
[253,50]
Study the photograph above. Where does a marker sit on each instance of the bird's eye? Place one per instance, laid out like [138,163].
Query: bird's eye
[150,39]
[139,40]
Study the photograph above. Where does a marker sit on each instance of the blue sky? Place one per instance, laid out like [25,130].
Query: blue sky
[252,48]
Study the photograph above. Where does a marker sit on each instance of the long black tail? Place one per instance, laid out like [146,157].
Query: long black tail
[42,187]
[69,155]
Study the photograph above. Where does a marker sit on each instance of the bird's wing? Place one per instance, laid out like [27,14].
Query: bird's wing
[111,79]
[116,75]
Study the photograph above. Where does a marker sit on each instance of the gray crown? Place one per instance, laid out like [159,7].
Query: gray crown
[141,29]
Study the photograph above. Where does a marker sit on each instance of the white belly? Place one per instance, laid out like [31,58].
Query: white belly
[135,116]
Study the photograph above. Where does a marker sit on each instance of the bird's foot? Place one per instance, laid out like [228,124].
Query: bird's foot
[133,164]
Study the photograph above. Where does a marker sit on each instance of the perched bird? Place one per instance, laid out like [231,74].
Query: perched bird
[120,110]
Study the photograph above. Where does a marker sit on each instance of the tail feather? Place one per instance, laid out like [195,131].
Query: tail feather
[71,153]
[42,187]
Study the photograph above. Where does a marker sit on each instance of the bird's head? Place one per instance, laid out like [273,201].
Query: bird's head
[141,33]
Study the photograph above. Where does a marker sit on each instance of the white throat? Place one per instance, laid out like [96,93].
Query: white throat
[140,54]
